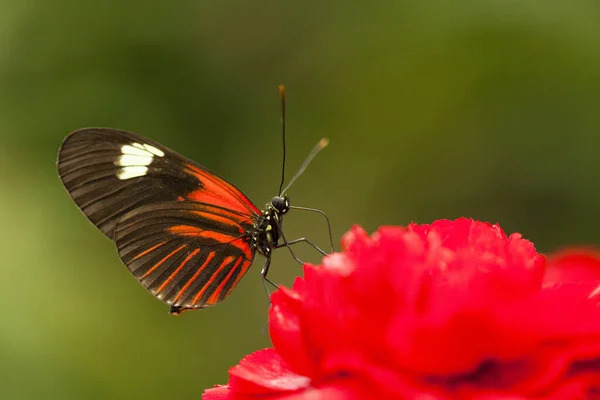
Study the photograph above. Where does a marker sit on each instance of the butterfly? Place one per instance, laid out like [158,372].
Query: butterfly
[186,234]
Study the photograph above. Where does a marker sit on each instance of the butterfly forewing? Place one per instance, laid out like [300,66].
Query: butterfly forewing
[110,172]
[187,254]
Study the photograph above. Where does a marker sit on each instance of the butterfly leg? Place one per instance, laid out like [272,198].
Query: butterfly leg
[289,244]
[265,280]
[326,219]
[286,244]
[300,240]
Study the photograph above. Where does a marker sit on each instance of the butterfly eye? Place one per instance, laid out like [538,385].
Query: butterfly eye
[281,204]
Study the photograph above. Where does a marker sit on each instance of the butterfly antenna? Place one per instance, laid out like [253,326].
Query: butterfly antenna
[320,146]
[282,95]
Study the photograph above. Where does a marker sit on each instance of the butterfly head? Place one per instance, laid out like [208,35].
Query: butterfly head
[281,204]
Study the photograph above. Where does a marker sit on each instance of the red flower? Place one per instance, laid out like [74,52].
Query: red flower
[451,310]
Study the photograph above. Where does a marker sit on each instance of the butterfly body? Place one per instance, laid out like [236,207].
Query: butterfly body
[266,232]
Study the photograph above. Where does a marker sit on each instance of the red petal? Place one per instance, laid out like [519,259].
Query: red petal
[286,331]
[387,383]
[333,390]
[565,310]
[584,386]
[218,393]
[264,372]
[355,238]
[573,265]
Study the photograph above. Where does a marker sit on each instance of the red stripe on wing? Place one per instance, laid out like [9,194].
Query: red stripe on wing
[193,278]
[221,219]
[143,253]
[219,192]
[245,266]
[161,262]
[200,233]
[225,262]
[214,297]
[174,274]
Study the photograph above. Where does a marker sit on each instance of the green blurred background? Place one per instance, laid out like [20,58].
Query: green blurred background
[488,109]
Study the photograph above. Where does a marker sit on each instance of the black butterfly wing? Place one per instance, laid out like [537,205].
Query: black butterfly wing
[187,254]
[109,172]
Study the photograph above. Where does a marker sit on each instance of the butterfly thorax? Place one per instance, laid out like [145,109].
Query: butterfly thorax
[267,229]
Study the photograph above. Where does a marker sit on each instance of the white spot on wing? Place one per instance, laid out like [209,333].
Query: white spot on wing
[135,149]
[154,150]
[131,172]
[128,160]
[135,158]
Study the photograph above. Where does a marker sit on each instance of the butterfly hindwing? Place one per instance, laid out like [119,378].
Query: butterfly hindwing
[110,172]
[187,254]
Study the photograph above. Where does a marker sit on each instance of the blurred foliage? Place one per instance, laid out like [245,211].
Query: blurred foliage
[440,109]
